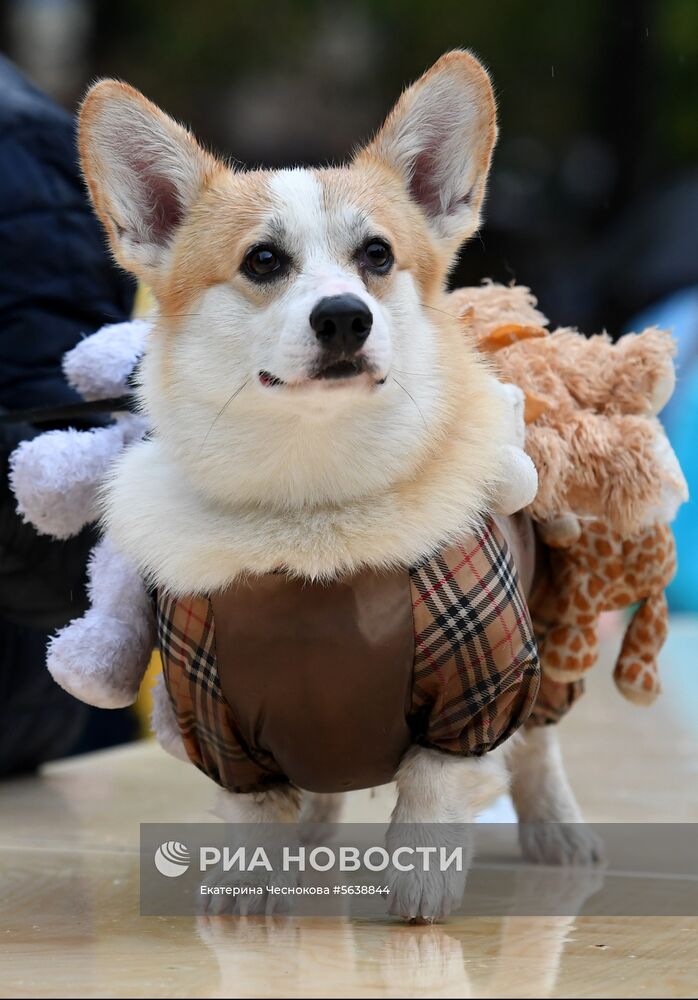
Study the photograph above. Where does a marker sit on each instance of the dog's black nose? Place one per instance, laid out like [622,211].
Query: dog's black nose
[341,323]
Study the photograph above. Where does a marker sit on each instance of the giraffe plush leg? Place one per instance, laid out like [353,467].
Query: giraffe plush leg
[636,673]
[568,651]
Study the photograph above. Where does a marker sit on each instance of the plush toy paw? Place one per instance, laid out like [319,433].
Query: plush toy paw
[636,674]
[55,477]
[637,681]
[640,371]
[100,366]
[99,660]
[520,484]
[517,410]
[519,480]
[674,488]
[560,532]
[566,652]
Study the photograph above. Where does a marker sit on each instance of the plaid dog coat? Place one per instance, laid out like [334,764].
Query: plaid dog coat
[327,685]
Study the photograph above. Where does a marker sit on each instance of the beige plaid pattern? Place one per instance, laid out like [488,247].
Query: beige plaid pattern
[186,636]
[476,670]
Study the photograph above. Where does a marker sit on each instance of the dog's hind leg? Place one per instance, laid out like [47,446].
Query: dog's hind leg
[439,795]
[319,811]
[280,804]
[551,827]
[266,821]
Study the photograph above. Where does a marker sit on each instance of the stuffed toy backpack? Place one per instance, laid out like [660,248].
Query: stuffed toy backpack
[609,482]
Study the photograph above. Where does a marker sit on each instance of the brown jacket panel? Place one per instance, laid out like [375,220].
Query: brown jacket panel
[326,685]
[320,675]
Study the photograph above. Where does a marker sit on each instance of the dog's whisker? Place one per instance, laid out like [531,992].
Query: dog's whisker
[442,311]
[397,382]
[153,317]
[224,407]
[401,371]
[194,315]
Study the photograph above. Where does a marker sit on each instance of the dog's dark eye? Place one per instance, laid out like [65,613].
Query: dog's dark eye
[263,262]
[376,255]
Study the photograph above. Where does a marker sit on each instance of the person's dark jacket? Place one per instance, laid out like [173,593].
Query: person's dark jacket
[57,284]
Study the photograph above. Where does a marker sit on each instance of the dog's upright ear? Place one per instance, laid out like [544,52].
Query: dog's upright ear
[144,172]
[439,138]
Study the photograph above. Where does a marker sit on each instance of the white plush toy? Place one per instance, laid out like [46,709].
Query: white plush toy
[101,658]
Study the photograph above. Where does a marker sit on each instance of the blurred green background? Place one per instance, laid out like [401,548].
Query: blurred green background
[597,110]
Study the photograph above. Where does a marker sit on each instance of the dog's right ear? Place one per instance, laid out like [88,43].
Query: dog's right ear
[144,172]
[439,139]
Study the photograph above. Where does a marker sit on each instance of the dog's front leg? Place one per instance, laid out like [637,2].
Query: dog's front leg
[438,794]
[551,827]
[266,820]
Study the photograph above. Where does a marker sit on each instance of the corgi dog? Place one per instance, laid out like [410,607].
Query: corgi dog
[314,405]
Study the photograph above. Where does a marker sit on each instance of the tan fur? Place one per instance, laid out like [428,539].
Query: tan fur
[213,239]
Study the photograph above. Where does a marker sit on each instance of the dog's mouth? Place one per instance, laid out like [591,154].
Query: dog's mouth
[337,371]
[344,368]
[269,380]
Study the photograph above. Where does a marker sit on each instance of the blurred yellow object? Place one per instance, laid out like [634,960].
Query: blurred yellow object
[144,702]
[144,303]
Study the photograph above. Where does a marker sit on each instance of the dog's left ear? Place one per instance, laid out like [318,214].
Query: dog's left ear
[439,138]
[144,173]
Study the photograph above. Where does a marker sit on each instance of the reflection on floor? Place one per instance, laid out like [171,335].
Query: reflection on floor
[69,883]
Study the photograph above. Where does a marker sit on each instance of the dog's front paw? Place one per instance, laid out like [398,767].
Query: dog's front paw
[561,844]
[425,896]
[436,856]
[245,894]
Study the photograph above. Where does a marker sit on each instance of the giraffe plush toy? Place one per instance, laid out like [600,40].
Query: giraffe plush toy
[609,480]
[602,571]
